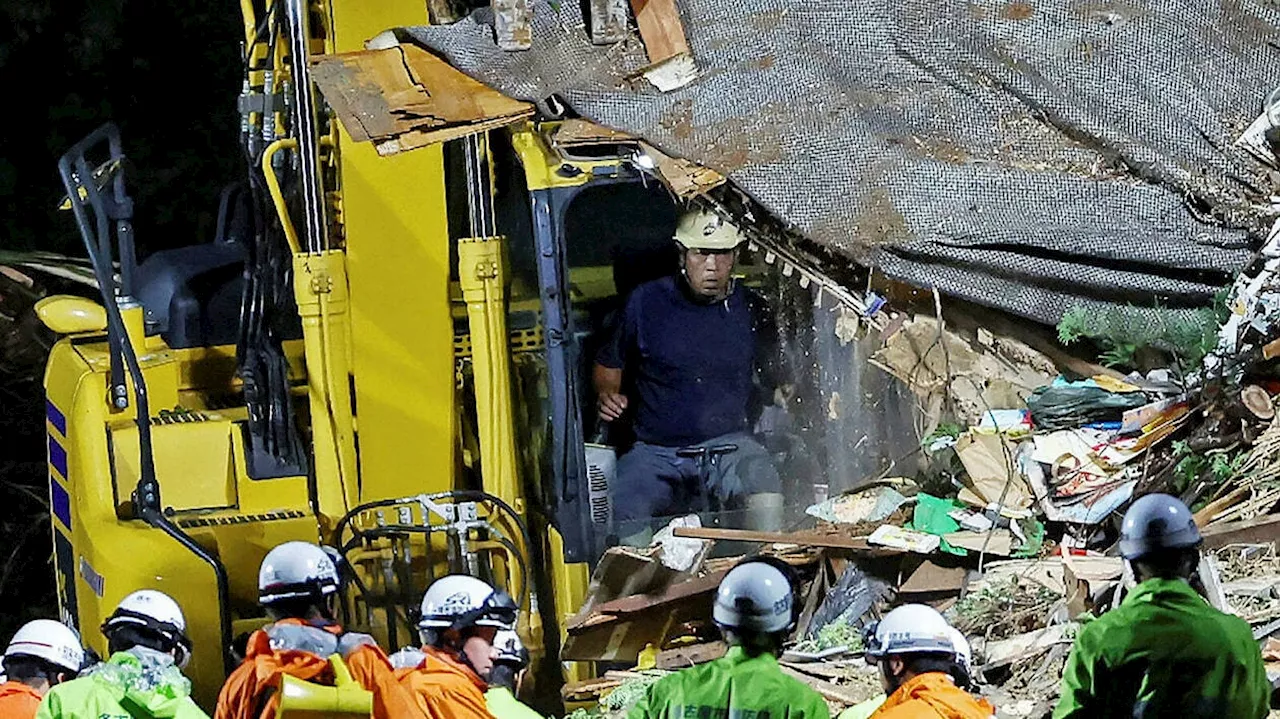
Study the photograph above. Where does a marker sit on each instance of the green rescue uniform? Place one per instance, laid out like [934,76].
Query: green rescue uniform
[502,704]
[735,686]
[1164,652]
[136,684]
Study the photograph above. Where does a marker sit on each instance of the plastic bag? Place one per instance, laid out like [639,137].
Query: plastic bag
[1072,405]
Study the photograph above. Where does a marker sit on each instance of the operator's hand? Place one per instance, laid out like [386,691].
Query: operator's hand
[611,405]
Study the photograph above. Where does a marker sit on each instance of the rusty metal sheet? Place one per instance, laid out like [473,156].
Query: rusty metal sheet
[404,97]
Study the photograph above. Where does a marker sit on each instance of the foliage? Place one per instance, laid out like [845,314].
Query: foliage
[1121,332]
[1003,608]
[944,429]
[630,692]
[839,633]
[1191,466]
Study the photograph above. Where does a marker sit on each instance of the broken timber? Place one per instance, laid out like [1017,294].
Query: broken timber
[1263,530]
[808,539]
[670,61]
[402,97]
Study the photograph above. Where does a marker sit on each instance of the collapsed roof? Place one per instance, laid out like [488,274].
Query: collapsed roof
[1024,155]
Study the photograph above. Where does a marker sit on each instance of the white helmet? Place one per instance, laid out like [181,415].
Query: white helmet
[51,641]
[459,601]
[964,653]
[511,650]
[157,612]
[756,597]
[296,570]
[705,230]
[910,629]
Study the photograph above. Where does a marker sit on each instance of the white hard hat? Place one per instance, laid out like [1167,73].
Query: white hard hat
[754,596]
[910,629]
[705,230]
[964,652]
[1156,522]
[156,611]
[511,650]
[458,601]
[296,570]
[51,641]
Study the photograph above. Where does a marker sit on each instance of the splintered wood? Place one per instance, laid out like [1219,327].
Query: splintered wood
[671,63]
[403,97]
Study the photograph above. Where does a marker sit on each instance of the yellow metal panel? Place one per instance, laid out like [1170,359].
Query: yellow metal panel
[398,270]
[193,463]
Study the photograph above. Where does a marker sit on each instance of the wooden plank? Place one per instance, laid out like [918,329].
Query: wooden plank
[828,690]
[1217,506]
[808,539]
[820,670]
[694,654]
[1262,530]
[661,28]
[676,592]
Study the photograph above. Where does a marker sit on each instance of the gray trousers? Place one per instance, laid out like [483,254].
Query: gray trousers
[654,481]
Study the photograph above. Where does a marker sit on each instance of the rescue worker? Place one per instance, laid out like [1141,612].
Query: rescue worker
[755,610]
[504,679]
[916,652]
[689,348]
[297,585]
[461,617]
[148,645]
[1164,651]
[960,671]
[42,654]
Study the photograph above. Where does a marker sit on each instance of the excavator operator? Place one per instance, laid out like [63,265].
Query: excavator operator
[690,348]
[297,583]
[461,619]
[42,654]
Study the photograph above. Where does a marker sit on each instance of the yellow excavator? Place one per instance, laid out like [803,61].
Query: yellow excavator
[382,354]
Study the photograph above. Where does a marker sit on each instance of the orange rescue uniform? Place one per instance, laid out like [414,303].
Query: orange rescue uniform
[933,695]
[245,694]
[18,701]
[445,688]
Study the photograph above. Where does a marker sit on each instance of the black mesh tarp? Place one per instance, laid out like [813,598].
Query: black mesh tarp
[1027,155]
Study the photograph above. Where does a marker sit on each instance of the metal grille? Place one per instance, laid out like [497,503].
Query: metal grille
[1024,155]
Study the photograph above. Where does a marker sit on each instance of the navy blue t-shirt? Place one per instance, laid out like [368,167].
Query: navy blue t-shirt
[692,365]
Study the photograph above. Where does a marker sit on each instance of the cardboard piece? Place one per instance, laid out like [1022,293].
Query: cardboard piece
[990,461]
[1001,542]
[931,578]
[402,97]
